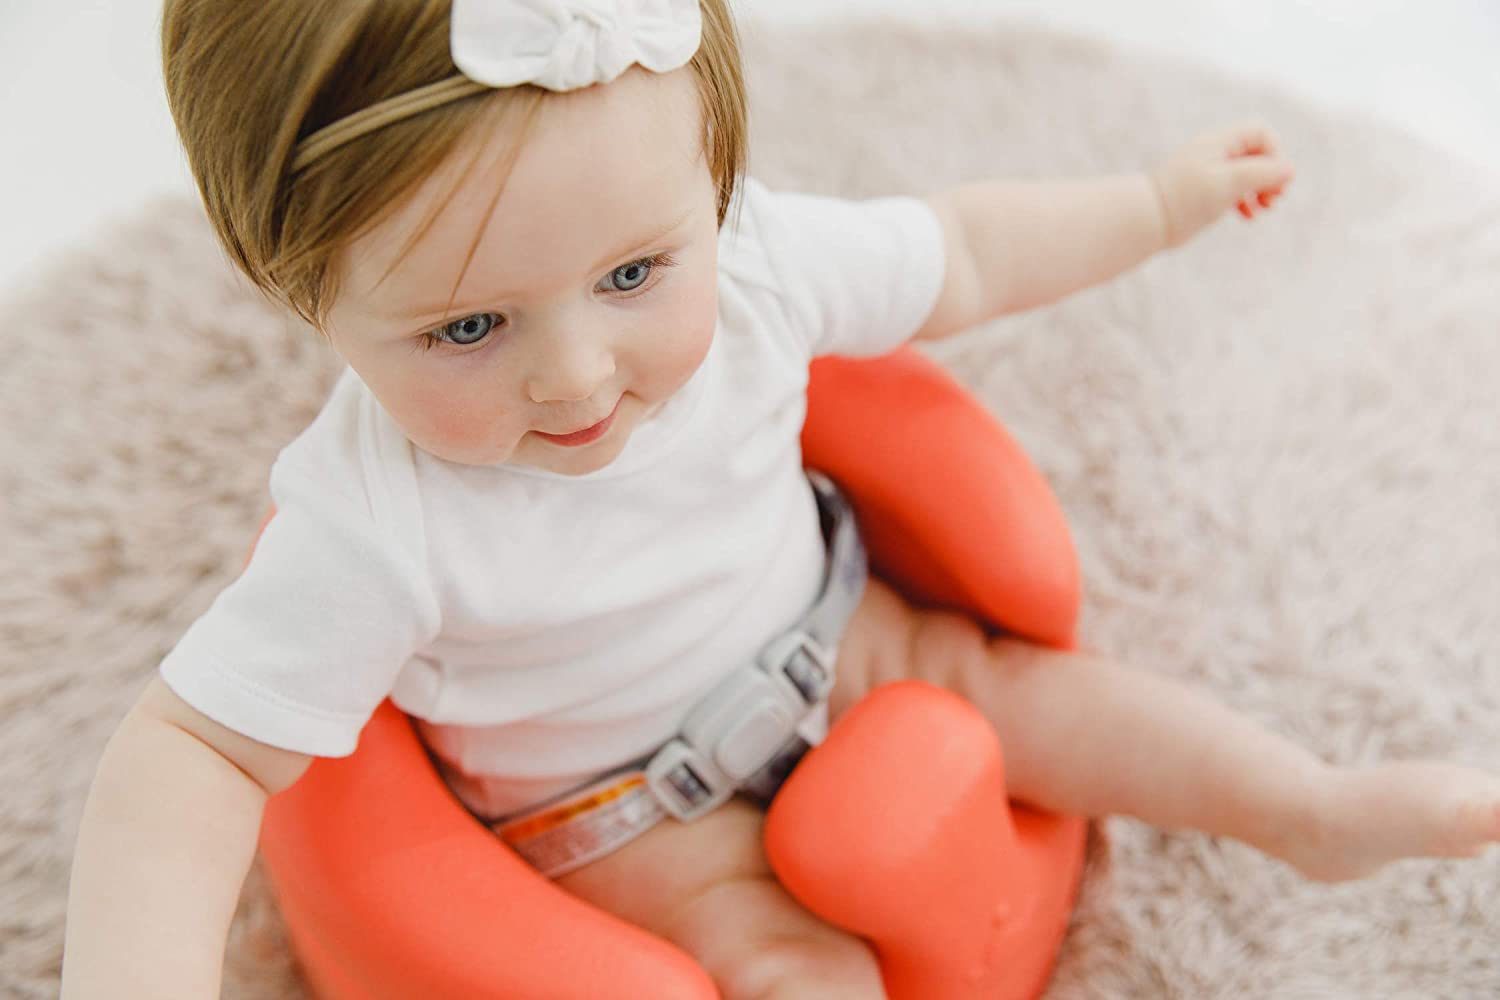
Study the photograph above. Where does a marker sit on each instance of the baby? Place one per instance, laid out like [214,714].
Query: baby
[556,498]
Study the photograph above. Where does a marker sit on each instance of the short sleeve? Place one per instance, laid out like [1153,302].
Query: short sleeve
[301,649]
[860,277]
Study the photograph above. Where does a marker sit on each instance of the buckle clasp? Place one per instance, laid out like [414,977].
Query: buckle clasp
[801,661]
[740,726]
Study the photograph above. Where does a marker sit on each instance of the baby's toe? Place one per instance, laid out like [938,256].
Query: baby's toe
[1475,826]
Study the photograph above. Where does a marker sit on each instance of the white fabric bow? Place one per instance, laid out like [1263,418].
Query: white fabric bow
[570,44]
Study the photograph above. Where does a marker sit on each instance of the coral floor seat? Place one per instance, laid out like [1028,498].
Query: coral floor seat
[897,827]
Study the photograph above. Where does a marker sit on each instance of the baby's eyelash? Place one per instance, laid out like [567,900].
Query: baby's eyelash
[429,339]
[656,260]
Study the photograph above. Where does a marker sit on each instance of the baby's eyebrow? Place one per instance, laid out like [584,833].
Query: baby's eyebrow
[649,238]
[646,239]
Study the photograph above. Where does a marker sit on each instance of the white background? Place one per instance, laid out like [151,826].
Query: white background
[85,134]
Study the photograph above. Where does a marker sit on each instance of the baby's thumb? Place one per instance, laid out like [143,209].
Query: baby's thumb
[1253,174]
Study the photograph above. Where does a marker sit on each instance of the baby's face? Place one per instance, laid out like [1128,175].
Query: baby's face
[590,298]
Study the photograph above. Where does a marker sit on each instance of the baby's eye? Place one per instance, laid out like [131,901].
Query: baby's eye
[631,276]
[469,330]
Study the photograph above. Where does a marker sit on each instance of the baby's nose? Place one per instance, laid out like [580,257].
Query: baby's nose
[574,369]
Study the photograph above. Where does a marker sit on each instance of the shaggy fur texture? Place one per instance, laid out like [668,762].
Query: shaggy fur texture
[1277,448]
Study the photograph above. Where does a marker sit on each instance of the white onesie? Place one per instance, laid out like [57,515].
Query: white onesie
[544,628]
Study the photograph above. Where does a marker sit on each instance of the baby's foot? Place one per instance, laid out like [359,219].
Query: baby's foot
[1370,817]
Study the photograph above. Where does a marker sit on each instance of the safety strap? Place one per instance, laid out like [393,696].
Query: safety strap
[741,737]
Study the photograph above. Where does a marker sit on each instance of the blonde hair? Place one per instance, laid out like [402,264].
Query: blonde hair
[247,81]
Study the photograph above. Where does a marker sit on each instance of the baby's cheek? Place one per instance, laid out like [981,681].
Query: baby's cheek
[694,331]
[458,425]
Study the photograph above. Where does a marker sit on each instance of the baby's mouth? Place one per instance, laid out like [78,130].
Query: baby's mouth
[585,436]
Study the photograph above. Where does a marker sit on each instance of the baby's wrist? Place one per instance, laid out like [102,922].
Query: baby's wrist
[1159,182]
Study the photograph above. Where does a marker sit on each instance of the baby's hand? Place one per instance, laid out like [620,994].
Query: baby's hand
[1239,167]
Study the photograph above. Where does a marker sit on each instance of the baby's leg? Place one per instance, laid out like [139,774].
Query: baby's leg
[1085,735]
[706,887]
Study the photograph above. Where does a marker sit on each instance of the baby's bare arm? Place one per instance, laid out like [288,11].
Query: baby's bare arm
[167,837]
[1012,245]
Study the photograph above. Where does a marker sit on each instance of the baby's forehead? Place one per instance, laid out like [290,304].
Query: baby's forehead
[595,168]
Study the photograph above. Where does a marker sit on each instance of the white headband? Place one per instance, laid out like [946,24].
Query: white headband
[557,44]
[570,44]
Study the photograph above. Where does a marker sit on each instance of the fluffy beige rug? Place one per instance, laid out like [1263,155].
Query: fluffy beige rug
[1278,449]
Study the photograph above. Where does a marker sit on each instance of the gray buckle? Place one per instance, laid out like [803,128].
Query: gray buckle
[740,726]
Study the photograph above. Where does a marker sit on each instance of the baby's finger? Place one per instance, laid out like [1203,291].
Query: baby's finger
[1256,140]
[1246,139]
[1259,174]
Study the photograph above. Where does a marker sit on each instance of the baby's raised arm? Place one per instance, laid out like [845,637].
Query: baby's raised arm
[1013,245]
[167,838]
